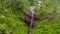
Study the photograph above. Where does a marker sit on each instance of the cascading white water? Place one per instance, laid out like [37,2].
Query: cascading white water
[32,11]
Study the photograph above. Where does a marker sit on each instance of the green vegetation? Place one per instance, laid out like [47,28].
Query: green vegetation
[11,11]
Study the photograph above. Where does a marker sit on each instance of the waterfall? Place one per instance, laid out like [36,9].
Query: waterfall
[32,11]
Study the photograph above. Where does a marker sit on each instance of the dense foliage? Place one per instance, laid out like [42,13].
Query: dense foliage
[11,11]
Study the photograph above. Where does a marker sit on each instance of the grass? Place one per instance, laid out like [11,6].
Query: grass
[10,18]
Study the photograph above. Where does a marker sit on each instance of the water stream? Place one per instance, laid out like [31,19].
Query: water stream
[32,11]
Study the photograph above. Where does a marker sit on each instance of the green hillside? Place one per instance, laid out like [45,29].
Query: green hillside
[11,11]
